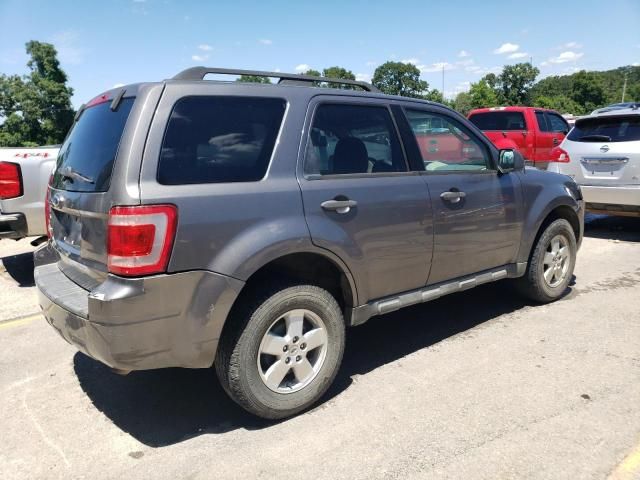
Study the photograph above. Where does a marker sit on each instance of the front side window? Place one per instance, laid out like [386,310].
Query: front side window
[353,139]
[499,120]
[445,144]
[219,139]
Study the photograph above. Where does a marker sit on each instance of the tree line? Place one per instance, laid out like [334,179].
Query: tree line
[35,109]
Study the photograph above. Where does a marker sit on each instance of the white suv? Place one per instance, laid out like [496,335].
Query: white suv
[602,154]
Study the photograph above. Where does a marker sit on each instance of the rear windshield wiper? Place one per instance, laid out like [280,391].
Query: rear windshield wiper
[69,173]
[595,138]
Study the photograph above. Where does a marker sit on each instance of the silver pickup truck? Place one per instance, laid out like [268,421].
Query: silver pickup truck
[24,174]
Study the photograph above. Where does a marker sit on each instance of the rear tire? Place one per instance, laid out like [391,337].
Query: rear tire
[551,265]
[282,350]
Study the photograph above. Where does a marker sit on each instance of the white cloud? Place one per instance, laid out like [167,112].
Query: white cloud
[303,67]
[567,56]
[544,64]
[506,48]
[518,55]
[465,63]
[199,58]
[436,67]
[118,85]
[463,53]
[204,47]
[568,46]
[66,44]
[363,77]
[265,41]
[635,64]
[413,61]
[371,63]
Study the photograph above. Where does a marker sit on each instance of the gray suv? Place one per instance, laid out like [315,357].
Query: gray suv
[196,222]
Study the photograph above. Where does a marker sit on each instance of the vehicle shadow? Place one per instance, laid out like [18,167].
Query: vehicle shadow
[163,407]
[20,268]
[625,229]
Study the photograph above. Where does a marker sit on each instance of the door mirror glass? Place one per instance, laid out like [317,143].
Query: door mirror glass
[510,160]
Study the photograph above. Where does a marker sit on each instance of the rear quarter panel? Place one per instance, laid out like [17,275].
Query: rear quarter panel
[36,166]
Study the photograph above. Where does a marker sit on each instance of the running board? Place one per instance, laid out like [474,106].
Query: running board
[360,315]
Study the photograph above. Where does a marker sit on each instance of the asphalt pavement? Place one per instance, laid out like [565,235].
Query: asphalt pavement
[476,385]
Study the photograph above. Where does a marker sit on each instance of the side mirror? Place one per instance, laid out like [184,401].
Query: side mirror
[510,160]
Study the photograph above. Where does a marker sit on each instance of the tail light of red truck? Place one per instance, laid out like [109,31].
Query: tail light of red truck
[10,180]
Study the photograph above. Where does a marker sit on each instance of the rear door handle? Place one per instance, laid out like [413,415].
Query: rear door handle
[339,206]
[453,197]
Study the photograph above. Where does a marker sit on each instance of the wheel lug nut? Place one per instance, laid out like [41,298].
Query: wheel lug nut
[285,348]
[287,360]
[303,346]
[298,358]
[295,339]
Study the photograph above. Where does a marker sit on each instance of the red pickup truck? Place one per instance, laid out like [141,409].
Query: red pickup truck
[534,132]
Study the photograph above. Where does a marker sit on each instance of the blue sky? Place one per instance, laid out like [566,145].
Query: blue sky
[105,43]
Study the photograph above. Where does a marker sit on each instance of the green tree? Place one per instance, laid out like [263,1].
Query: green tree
[434,95]
[588,91]
[462,103]
[559,103]
[338,72]
[482,95]
[313,73]
[36,108]
[516,81]
[397,78]
[253,79]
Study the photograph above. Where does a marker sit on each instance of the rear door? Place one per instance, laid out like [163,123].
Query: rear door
[477,211]
[604,151]
[500,125]
[544,138]
[360,198]
[85,183]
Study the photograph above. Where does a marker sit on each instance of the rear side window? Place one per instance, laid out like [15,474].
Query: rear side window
[542,122]
[607,129]
[499,121]
[219,139]
[85,160]
[348,139]
[557,123]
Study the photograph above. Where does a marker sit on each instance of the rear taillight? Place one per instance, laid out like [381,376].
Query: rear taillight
[559,155]
[10,180]
[47,208]
[140,238]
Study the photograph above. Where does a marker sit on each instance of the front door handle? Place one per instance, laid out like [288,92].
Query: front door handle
[339,206]
[556,141]
[453,197]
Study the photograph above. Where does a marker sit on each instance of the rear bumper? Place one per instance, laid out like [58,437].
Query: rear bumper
[13,225]
[623,200]
[172,320]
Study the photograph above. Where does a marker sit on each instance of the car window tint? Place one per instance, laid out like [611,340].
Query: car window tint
[542,122]
[607,129]
[348,139]
[219,139]
[557,123]
[445,144]
[499,120]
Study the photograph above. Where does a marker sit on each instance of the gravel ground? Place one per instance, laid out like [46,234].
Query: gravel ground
[476,385]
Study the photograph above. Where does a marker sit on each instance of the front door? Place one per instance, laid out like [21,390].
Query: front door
[361,201]
[477,211]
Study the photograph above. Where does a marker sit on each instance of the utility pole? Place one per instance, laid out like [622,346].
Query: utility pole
[624,86]
[443,81]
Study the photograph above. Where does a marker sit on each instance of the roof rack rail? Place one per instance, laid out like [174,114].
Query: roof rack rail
[198,73]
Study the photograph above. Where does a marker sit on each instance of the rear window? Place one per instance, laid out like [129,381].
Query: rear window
[85,160]
[219,139]
[499,121]
[607,129]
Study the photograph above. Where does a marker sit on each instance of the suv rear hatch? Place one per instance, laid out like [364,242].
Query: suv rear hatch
[503,124]
[604,151]
[78,194]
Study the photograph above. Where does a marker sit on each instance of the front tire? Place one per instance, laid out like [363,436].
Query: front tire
[282,350]
[550,268]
